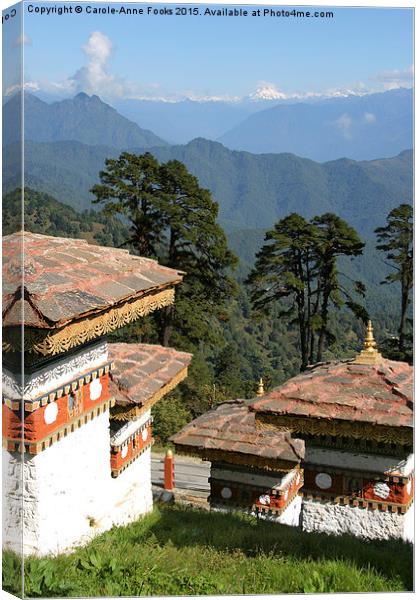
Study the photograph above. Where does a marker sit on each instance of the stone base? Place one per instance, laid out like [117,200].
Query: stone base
[336,519]
[64,496]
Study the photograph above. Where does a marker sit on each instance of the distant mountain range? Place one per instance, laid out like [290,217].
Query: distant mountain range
[67,143]
[358,127]
[83,118]
[361,127]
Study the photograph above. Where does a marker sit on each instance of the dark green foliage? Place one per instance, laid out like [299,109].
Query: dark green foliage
[173,219]
[169,416]
[333,238]
[44,214]
[129,187]
[396,239]
[177,551]
[297,269]
[12,574]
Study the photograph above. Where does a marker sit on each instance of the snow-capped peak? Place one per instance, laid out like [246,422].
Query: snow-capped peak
[267,91]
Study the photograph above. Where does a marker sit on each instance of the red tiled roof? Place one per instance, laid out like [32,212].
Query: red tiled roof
[381,394]
[142,370]
[67,278]
[230,427]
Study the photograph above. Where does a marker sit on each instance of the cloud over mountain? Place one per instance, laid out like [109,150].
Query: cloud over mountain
[94,78]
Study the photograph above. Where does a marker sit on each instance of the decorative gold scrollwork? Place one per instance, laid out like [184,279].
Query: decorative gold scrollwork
[51,342]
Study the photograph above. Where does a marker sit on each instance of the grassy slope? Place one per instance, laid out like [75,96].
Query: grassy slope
[177,551]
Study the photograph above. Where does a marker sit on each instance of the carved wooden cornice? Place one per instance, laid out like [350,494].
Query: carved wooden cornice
[333,427]
[356,501]
[236,458]
[55,341]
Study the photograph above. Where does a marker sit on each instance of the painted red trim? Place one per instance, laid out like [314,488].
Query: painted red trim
[36,429]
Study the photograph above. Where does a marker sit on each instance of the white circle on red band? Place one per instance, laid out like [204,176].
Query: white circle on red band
[95,389]
[144,435]
[226,493]
[264,499]
[50,413]
[124,451]
[409,487]
[323,481]
[381,489]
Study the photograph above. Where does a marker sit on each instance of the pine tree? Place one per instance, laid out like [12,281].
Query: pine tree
[334,238]
[284,270]
[297,268]
[129,186]
[174,220]
[396,239]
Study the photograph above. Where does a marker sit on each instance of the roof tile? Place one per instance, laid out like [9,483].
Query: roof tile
[231,427]
[381,394]
[66,278]
[142,370]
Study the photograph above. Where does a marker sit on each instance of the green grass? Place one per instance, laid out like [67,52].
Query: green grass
[177,551]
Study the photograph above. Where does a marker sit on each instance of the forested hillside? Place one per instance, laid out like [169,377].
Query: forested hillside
[252,191]
[44,214]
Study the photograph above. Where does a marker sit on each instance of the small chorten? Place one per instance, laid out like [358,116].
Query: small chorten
[260,390]
[369,355]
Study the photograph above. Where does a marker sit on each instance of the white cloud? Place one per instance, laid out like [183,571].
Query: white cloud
[94,78]
[343,124]
[28,86]
[369,117]
[395,78]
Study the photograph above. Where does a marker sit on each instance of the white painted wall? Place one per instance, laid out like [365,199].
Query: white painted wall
[336,519]
[373,463]
[131,493]
[278,481]
[291,516]
[13,511]
[408,530]
[68,492]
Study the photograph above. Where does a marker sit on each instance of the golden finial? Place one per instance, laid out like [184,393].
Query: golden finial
[369,355]
[260,390]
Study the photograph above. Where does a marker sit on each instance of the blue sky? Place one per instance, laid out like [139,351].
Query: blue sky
[173,57]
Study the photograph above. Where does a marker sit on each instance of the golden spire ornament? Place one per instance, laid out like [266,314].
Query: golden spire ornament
[260,390]
[369,355]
